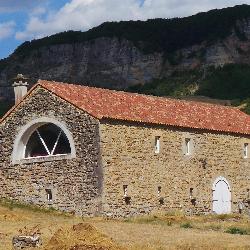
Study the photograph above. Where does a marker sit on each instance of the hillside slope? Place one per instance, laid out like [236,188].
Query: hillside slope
[120,55]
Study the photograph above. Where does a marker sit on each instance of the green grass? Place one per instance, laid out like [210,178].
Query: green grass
[12,205]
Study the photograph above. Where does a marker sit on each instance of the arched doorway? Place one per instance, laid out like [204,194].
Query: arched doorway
[221,196]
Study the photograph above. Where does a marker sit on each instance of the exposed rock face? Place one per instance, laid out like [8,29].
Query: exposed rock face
[103,62]
[117,64]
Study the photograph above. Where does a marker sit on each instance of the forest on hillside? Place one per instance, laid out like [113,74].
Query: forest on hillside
[231,82]
[156,35]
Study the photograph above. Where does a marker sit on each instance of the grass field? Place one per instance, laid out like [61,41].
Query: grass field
[159,232]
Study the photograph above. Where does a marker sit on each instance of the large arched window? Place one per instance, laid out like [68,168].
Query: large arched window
[47,140]
[43,139]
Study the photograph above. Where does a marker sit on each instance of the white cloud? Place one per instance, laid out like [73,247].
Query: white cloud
[6,29]
[84,14]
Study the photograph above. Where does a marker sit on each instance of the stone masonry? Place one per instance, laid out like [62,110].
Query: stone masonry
[129,159]
[75,183]
[116,171]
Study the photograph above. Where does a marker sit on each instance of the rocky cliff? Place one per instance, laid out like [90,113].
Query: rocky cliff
[119,61]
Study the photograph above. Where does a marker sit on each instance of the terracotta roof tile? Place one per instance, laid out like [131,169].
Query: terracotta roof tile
[104,103]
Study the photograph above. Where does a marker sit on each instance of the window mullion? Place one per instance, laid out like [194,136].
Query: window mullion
[43,142]
[58,137]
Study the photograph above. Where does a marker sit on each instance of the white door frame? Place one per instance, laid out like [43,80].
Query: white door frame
[221,178]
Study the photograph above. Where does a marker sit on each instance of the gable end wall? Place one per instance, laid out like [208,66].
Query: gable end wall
[75,183]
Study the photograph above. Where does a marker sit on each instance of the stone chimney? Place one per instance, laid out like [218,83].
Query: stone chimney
[20,87]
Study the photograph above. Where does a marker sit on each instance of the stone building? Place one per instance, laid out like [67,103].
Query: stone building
[95,151]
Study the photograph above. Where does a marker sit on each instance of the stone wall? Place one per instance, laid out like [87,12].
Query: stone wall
[115,155]
[129,159]
[75,183]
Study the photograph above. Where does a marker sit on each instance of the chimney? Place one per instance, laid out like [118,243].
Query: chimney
[20,87]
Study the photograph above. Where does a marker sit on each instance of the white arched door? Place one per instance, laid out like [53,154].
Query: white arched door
[221,196]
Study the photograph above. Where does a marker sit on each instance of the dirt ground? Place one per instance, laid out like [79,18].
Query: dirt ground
[63,232]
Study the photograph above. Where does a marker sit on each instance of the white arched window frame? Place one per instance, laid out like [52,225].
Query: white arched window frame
[25,133]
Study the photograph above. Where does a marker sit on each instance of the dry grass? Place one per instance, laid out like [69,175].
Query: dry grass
[157,232]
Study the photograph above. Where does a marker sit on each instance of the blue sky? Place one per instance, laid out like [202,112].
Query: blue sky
[22,20]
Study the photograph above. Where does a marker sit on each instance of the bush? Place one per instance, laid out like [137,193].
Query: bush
[236,230]
[186,225]
[228,82]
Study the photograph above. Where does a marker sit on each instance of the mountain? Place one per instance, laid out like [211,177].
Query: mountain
[178,57]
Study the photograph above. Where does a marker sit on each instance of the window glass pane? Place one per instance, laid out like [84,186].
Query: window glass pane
[47,140]
[35,147]
[63,146]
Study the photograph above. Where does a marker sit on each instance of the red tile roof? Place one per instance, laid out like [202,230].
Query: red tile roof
[104,103]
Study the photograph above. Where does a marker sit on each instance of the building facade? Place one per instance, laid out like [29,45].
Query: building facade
[100,152]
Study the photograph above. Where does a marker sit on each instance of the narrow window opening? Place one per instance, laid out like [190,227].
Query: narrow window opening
[157,144]
[161,200]
[159,191]
[127,198]
[187,146]
[245,150]
[125,190]
[48,194]
[248,195]
[191,193]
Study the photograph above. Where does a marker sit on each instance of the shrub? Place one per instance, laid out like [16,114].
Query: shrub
[236,230]
[186,225]
[169,223]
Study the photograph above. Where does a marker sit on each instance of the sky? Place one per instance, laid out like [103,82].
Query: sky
[24,20]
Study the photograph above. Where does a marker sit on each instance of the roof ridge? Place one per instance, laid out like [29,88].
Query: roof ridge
[105,103]
[144,95]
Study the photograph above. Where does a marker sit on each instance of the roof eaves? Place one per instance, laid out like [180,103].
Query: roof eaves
[178,126]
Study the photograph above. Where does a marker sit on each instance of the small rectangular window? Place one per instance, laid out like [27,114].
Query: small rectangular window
[191,192]
[125,190]
[245,150]
[157,144]
[187,146]
[49,194]
[159,191]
